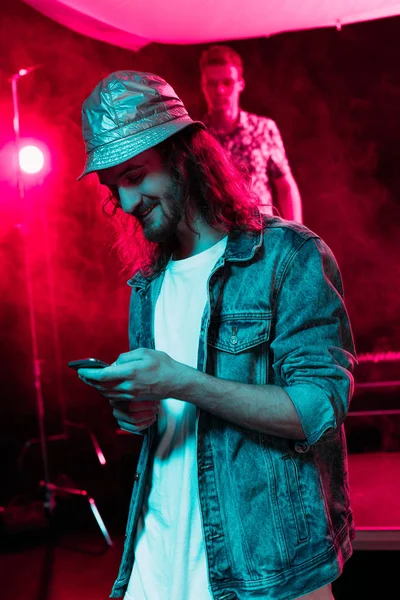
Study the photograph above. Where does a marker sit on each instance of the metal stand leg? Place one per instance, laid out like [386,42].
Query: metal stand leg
[52,490]
[62,437]
[99,453]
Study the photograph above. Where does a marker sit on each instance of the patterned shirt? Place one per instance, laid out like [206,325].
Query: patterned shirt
[256,146]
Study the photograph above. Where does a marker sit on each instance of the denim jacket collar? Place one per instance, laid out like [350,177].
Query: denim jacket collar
[241,246]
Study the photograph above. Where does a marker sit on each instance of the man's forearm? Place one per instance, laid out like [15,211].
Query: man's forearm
[289,198]
[265,408]
[292,204]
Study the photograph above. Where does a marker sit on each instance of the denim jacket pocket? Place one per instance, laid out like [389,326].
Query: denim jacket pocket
[237,332]
[296,503]
[238,346]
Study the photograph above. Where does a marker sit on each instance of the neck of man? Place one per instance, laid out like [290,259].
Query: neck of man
[190,243]
[224,121]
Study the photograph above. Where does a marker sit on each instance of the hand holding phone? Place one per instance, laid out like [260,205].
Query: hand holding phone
[87,363]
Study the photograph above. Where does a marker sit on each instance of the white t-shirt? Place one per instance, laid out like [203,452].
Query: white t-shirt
[170,558]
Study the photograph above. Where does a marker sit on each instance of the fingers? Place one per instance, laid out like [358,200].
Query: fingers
[129,356]
[124,390]
[136,413]
[116,396]
[134,428]
[135,418]
[135,406]
[115,372]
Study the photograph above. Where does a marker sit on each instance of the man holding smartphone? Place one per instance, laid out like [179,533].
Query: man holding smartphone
[239,370]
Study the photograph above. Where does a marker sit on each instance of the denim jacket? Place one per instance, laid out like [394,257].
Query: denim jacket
[276,516]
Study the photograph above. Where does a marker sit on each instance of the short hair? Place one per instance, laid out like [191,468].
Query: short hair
[221,55]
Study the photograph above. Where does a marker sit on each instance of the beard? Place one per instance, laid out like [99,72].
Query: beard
[161,225]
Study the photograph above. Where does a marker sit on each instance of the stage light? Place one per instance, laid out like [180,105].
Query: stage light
[22,72]
[31,159]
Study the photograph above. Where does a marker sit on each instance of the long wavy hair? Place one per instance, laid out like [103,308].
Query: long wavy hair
[205,174]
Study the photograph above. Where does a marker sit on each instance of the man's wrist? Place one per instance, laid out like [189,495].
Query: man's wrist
[184,382]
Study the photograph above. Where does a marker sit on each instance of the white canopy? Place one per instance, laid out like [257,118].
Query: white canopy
[132,24]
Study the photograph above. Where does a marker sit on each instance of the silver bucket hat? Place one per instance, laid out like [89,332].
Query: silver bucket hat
[127,113]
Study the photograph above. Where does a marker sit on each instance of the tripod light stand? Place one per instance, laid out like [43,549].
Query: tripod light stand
[50,490]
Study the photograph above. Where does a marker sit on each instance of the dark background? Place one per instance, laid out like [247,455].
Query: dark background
[336,98]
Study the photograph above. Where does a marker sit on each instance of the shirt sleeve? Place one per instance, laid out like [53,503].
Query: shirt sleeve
[313,349]
[133,345]
[277,164]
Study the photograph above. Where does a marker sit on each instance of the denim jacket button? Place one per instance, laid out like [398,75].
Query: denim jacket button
[234,340]
[301,448]
[136,477]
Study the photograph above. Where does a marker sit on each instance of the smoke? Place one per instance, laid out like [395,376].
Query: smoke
[335,97]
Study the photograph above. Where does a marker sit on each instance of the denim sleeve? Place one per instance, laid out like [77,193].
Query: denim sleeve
[312,345]
[132,319]
[133,344]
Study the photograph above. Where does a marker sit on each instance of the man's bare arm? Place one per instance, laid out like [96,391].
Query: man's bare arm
[289,198]
[265,408]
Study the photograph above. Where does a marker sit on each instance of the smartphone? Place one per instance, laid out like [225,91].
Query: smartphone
[87,363]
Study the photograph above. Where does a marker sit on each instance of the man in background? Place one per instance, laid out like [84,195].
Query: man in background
[254,142]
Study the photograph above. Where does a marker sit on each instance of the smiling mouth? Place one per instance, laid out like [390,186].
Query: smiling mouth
[147,212]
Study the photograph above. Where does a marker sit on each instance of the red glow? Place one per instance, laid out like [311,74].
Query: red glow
[31,159]
[101,458]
